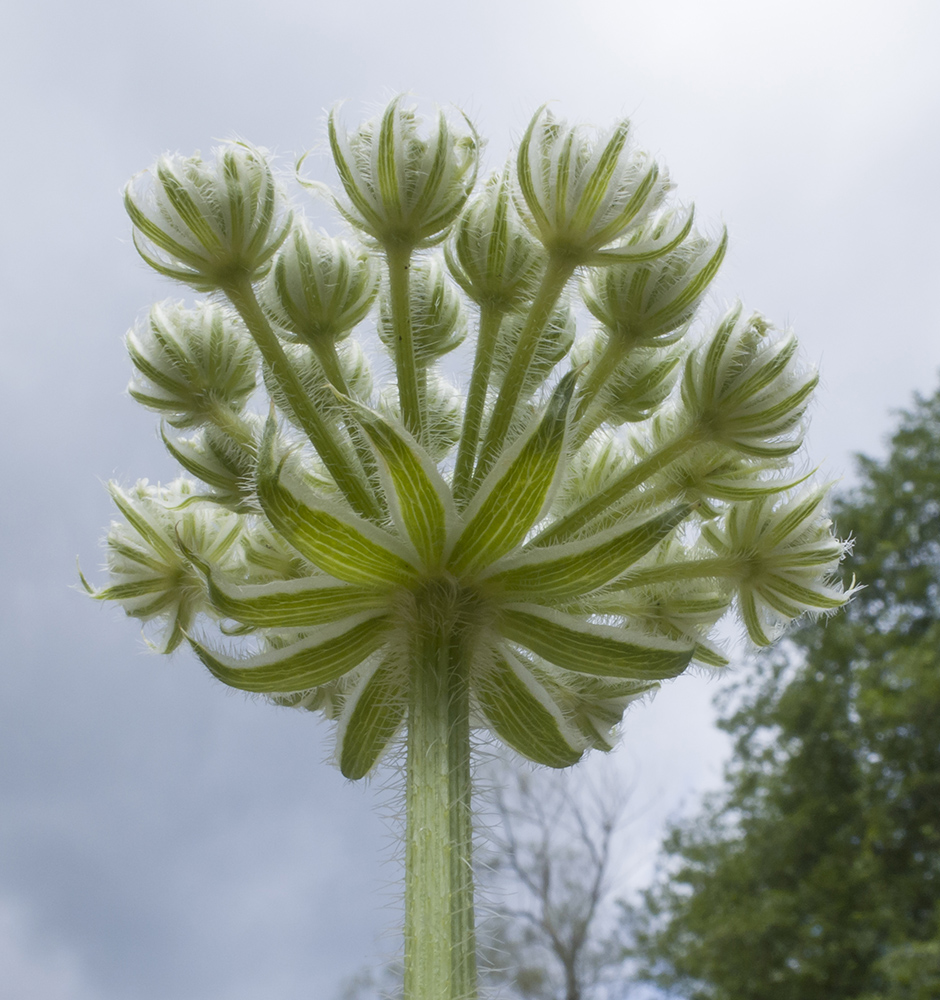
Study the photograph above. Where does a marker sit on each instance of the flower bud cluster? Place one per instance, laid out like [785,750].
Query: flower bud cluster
[152,577]
[650,303]
[579,194]
[580,565]
[191,362]
[208,225]
[224,464]
[319,288]
[748,389]
[403,189]
[490,253]
[786,558]
[637,387]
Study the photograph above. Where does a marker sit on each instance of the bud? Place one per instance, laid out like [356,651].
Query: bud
[437,317]
[599,462]
[748,389]
[636,388]
[650,303]
[581,195]
[553,346]
[687,609]
[225,465]
[152,578]
[594,706]
[191,362]
[490,253]
[404,190]
[784,560]
[208,225]
[444,415]
[319,288]
[266,557]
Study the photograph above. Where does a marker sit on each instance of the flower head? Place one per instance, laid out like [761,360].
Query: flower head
[404,189]
[649,303]
[748,389]
[580,195]
[785,558]
[153,579]
[490,253]
[190,362]
[559,570]
[208,224]
[319,288]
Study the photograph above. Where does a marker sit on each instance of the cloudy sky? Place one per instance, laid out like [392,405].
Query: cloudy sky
[161,836]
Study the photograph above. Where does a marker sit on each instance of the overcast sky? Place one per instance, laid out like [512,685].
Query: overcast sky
[161,836]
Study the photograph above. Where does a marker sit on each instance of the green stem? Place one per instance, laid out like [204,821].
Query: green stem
[440,944]
[614,351]
[334,455]
[724,568]
[413,417]
[325,350]
[556,276]
[590,416]
[490,319]
[225,419]
[567,526]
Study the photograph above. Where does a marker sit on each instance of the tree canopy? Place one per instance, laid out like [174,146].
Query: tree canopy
[816,872]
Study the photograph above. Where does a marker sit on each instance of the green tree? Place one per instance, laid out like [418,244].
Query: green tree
[816,873]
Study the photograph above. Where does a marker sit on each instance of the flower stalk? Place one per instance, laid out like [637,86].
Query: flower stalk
[425,570]
[440,950]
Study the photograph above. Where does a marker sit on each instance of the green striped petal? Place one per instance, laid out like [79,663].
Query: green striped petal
[420,499]
[334,539]
[515,493]
[377,714]
[328,653]
[291,603]
[586,648]
[523,715]
[573,569]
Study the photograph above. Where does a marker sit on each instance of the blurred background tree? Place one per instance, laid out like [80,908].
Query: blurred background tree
[815,875]
[553,868]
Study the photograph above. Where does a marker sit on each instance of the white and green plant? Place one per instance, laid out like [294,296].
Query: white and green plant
[421,566]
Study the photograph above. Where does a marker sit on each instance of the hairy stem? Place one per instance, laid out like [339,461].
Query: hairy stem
[440,944]
[614,352]
[553,284]
[410,397]
[696,569]
[325,351]
[568,526]
[335,456]
[231,423]
[589,416]
[490,319]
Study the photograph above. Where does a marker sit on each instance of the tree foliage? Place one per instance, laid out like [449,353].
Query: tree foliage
[816,874]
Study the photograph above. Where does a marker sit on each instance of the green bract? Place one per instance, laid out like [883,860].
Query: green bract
[418,565]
